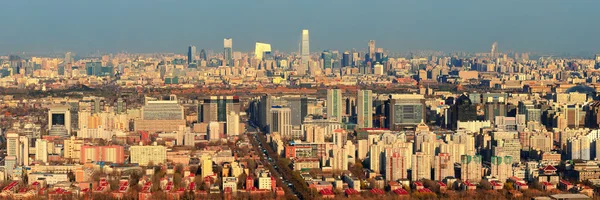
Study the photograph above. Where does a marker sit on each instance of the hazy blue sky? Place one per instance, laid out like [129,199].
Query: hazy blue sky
[85,26]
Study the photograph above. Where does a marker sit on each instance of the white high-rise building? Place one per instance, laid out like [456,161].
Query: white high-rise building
[305,53]
[41,150]
[233,124]
[421,166]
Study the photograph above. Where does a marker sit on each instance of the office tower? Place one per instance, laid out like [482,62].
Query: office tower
[191,54]
[228,52]
[371,52]
[260,49]
[214,131]
[59,120]
[167,109]
[299,106]
[203,55]
[364,109]
[17,147]
[93,68]
[495,105]
[421,166]
[12,144]
[334,104]
[444,167]
[68,58]
[305,53]
[264,111]
[346,59]
[396,165]
[233,123]
[494,49]
[327,59]
[501,167]
[470,168]
[406,110]
[216,108]
[41,150]
[160,115]
[462,110]
[281,121]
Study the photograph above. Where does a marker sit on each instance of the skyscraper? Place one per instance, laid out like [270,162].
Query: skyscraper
[202,54]
[346,60]
[371,50]
[191,53]
[365,109]
[334,104]
[260,49]
[281,121]
[216,108]
[227,52]
[305,53]
[327,59]
[68,57]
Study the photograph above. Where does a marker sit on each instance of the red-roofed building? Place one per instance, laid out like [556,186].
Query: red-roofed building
[466,185]
[351,192]
[400,191]
[443,186]
[521,186]
[549,170]
[547,186]
[565,185]
[327,193]
[496,185]
[377,191]
[418,185]
[424,190]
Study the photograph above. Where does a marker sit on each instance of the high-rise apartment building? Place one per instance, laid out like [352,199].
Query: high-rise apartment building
[578,147]
[334,104]
[364,106]
[501,167]
[444,167]
[396,165]
[421,166]
[471,169]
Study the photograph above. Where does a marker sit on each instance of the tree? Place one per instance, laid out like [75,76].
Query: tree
[242,181]
[509,186]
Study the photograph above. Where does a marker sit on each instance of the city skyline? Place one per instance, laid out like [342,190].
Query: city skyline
[398,26]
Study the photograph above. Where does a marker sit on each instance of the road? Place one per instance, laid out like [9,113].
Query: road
[270,163]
